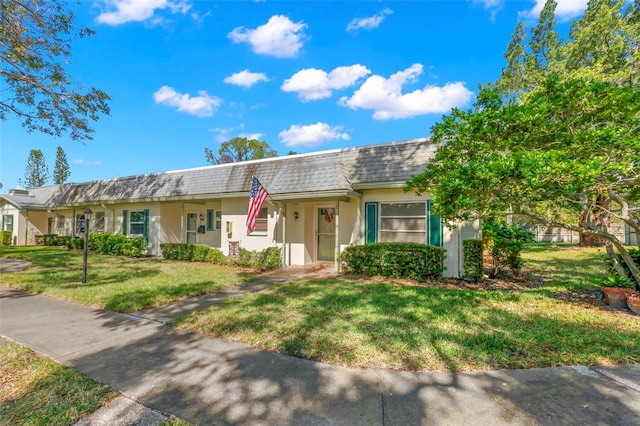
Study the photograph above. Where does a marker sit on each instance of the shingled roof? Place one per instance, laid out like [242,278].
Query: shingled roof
[313,175]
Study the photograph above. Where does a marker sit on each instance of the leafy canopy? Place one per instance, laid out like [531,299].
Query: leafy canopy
[240,149]
[36,42]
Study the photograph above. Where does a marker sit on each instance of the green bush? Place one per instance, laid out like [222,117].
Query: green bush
[614,279]
[117,244]
[200,252]
[193,252]
[505,243]
[75,243]
[5,238]
[394,260]
[247,259]
[46,240]
[270,259]
[473,260]
[216,257]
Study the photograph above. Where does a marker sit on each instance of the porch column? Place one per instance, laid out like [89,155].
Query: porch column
[336,262]
[182,231]
[283,215]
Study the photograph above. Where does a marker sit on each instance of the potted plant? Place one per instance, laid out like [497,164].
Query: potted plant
[633,301]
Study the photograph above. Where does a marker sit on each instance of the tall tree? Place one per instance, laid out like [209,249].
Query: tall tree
[34,54]
[567,144]
[240,149]
[36,172]
[61,170]
[561,136]
[602,46]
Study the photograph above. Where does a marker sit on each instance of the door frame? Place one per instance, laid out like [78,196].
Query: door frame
[316,215]
[186,226]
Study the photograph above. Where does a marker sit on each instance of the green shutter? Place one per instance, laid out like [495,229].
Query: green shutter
[434,227]
[146,225]
[370,223]
[125,215]
[209,220]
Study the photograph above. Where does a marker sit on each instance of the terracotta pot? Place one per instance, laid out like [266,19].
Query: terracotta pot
[633,302]
[616,297]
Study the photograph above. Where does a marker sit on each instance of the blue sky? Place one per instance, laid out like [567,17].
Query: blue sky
[302,75]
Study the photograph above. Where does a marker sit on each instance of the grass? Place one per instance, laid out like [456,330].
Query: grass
[377,324]
[37,391]
[116,283]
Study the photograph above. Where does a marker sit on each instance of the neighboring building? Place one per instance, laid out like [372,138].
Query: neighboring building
[319,203]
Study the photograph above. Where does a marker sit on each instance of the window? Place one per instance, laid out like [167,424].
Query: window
[137,223]
[60,219]
[217,225]
[402,222]
[7,222]
[97,222]
[261,223]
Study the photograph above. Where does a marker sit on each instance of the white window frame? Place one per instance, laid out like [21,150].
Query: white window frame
[131,223]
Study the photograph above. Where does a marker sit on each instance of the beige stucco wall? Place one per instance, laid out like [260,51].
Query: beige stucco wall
[234,210]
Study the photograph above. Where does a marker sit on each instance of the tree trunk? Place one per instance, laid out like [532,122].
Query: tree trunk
[598,216]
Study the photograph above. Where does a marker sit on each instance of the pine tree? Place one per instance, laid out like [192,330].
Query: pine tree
[61,171]
[36,171]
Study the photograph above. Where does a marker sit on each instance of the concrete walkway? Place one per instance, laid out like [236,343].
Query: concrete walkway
[210,381]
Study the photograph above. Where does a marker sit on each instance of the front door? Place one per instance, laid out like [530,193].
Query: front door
[326,233]
[192,227]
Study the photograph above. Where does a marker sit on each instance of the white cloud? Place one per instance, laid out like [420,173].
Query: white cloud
[488,4]
[369,23]
[565,10]
[257,136]
[246,78]
[202,105]
[311,135]
[312,84]
[122,11]
[279,37]
[385,96]
[82,162]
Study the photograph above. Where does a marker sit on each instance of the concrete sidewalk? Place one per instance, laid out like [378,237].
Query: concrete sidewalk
[211,381]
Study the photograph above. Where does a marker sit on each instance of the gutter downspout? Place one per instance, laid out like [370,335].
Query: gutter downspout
[336,262]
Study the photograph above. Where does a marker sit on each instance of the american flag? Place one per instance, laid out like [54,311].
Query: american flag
[256,200]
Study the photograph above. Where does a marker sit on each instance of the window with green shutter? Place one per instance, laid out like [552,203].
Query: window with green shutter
[370,223]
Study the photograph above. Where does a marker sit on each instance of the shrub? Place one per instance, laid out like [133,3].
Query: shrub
[46,240]
[394,260]
[200,252]
[614,279]
[5,238]
[505,243]
[216,257]
[270,259]
[246,258]
[473,260]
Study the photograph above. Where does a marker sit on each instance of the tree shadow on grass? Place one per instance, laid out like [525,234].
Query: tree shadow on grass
[211,381]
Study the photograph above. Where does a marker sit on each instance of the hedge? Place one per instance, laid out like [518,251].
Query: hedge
[193,252]
[394,260]
[5,238]
[105,243]
[473,260]
[264,260]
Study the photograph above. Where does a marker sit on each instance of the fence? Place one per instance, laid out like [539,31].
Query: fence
[550,234]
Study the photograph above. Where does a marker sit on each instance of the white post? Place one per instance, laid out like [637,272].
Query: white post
[336,262]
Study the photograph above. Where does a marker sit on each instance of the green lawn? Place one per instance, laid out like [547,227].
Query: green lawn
[378,324]
[116,283]
[37,391]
